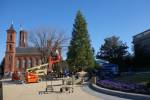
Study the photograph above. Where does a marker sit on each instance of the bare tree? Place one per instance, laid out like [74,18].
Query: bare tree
[47,39]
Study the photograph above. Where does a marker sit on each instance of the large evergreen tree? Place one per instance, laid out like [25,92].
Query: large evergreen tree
[80,55]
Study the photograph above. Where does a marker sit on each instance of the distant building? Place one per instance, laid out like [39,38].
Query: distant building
[141,43]
[21,57]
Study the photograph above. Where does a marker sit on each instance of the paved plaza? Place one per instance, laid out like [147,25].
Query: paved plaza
[12,91]
[31,92]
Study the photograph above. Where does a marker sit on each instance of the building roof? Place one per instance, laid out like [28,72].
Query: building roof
[27,51]
[142,34]
[101,61]
[11,28]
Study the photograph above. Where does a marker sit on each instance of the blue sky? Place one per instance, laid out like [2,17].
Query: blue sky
[123,18]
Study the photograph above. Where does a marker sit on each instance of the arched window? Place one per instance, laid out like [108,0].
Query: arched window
[23,39]
[18,63]
[29,63]
[10,60]
[39,62]
[33,62]
[10,47]
[26,63]
[10,37]
[23,63]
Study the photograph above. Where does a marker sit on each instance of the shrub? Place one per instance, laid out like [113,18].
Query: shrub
[148,84]
[126,87]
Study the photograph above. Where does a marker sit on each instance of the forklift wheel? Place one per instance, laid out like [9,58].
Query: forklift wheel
[39,80]
[61,90]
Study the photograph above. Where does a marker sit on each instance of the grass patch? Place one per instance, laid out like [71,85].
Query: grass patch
[141,78]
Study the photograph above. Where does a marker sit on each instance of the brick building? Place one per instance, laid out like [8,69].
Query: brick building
[142,41]
[18,58]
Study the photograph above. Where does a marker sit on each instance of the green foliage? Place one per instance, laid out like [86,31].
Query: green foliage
[148,84]
[80,53]
[113,50]
[140,78]
[60,67]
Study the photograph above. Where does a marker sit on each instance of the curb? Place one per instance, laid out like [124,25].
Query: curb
[120,94]
[1,91]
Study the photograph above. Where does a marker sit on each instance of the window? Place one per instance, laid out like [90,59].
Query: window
[10,37]
[33,62]
[39,62]
[18,63]
[10,60]
[29,63]
[23,63]
[10,47]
